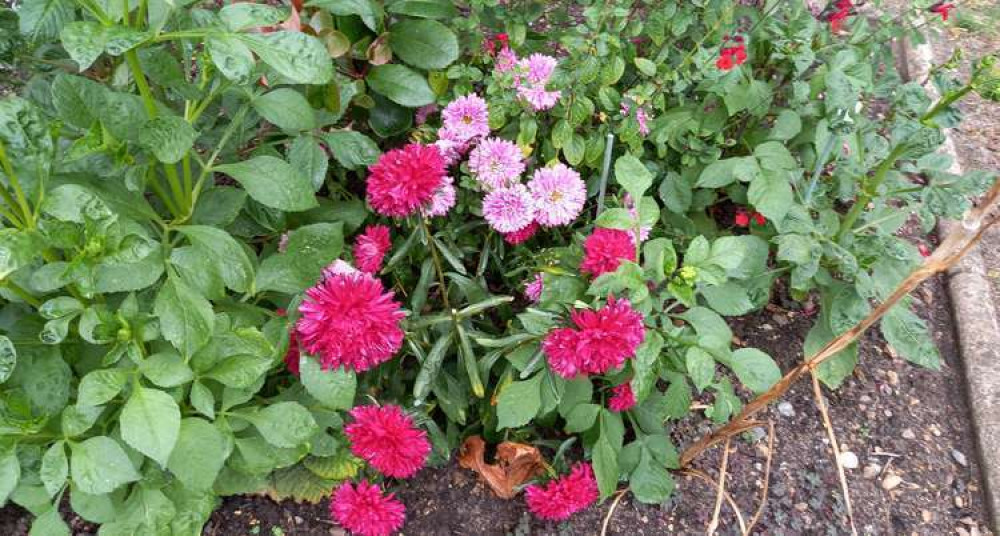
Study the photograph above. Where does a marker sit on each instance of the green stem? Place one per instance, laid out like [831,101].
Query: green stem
[437,264]
[869,189]
[171,206]
[945,102]
[21,293]
[22,201]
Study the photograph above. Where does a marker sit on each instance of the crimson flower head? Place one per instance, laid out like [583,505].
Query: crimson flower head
[387,439]
[837,13]
[597,342]
[521,235]
[733,56]
[370,248]
[759,218]
[348,321]
[622,398]
[564,496]
[292,354]
[365,511]
[604,250]
[404,180]
[741,219]
[942,9]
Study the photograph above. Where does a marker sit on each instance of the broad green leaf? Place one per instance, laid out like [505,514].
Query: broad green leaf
[632,174]
[310,249]
[8,358]
[202,400]
[84,41]
[78,418]
[55,468]
[645,66]
[240,371]
[168,137]
[908,335]
[774,156]
[49,523]
[742,257]
[166,369]
[99,465]
[240,16]
[299,57]
[150,423]
[713,332]
[199,454]
[427,9]
[401,85]
[352,150]
[46,379]
[369,11]
[836,369]
[771,194]
[233,58]
[10,473]
[186,318]
[646,366]
[700,367]
[285,424]
[431,367]
[93,508]
[425,44]
[727,171]
[755,369]
[605,462]
[306,155]
[77,99]
[519,402]
[581,418]
[17,250]
[286,108]
[231,258]
[650,482]
[333,389]
[42,20]
[272,182]
[786,126]
[100,386]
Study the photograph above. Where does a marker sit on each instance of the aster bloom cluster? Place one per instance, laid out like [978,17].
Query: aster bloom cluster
[404,181]
[605,249]
[370,248]
[642,116]
[554,196]
[560,498]
[734,56]
[386,438]
[531,76]
[599,340]
[622,398]
[365,510]
[533,289]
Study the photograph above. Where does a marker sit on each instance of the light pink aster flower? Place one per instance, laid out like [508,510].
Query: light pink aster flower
[509,209]
[443,200]
[642,118]
[559,195]
[634,212]
[538,68]
[496,163]
[538,97]
[450,147]
[467,118]
[339,267]
[533,290]
[506,60]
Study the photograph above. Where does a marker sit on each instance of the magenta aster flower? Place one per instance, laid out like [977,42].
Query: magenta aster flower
[467,118]
[533,290]
[443,199]
[509,209]
[538,68]
[564,496]
[339,267]
[496,163]
[506,60]
[522,235]
[605,249]
[599,340]
[370,248]
[538,97]
[622,398]
[365,511]
[642,118]
[292,354]
[348,321]
[404,180]
[387,439]
[559,195]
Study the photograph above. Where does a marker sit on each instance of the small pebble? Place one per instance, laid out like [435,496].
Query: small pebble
[908,434]
[801,507]
[891,482]
[786,409]
[871,471]
[893,377]
[959,458]
[959,502]
[927,516]
[299,520]
[849,460]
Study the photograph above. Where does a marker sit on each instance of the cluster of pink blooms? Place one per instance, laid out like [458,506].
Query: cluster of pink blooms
[408,180]
[533,289]
[530,76]
[600,340]
[605,249]
[622,398]
[564,496]
[365,510]
[641,116]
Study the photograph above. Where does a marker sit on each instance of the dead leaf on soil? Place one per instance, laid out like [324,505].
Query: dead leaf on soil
[516,463]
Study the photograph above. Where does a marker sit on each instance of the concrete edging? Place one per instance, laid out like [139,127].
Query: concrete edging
[976,323]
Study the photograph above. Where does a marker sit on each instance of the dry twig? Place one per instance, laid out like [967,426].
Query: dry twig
[726,495]
[835,447]
[767,479]
[714,523]
[611,511]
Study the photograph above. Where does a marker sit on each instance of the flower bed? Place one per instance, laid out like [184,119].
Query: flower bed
[307,250]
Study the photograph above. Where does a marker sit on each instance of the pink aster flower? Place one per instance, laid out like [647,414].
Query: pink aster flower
[538,97]
[599,340]
[365,511]
[370,248]
[387,439]
[559,195]
[538,68]
[565,496]
[339,267]
[633,211]
[509,209]
[605,249]
[622,398]
[533,290]
[522,235]
[496,163]
[404,180]
[467,117]
[450,147]
[443,200]
[642,118]
[506,60]
[348,321]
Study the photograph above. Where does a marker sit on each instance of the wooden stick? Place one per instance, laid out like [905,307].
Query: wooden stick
[729,498]
[767,479]
[834,447]
[714,523]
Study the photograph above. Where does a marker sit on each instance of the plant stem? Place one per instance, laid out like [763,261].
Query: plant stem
[437,264]
[21,293]
[945,102]
[870,188]
[605,170]
[22,201]
[820,162]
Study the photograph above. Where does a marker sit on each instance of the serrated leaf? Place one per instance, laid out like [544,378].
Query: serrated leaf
[150,423]
[186,318]
[99,465]
[519,402]
[333,388]
[272,182]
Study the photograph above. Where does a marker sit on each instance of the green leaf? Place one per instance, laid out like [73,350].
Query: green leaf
[241,16]
[724,172]
[755,369]
[77,99]
[166,369]
[17,250]
[8,358]
[425,44]
[272,182]
[369,11]
[49,524]
[650,482]
[186,318]
[285,424]
[310,249]
[199,454]
[203,400]
[84,41]
[100,386]
[786,126]
[646,67]
[99,465]
[605,461]
[299,57]
[169,138]
[10,473]
[700,367]
[333,389]
[42,20]
[233,58]
[306,155]
[286,108]
[240,371]
[427,9]
[431,367]
[55,468]
[581,418]
[401,85]
[713,332]
[519,402]
[632,174]
[774,156]
[646,365]
[908,335]
[150,423]
[771,194]
[353,150]
[230,257]
[837,368]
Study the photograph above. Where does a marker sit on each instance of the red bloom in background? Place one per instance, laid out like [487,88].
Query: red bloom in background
[347,321]
[387,439]
[942,9]
[840,11]
[733,56]
[604,250]
[521,235]
[742,218]
[365,510]
[292,355]
[370,248]
[404,180]
[622,397]
[759,218]
[599,341]
[564,496]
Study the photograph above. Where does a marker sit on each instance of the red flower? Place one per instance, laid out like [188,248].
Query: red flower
[564,496]
[838,13]
[521,235]
[741,219]
[387,439]
[365,510]
[924,250]
[347,321]
[599,341]
[734,56]
[759,218]
[622,398]
[404,180]
[370,248]
[942,9]
[292,354]
[604,250]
